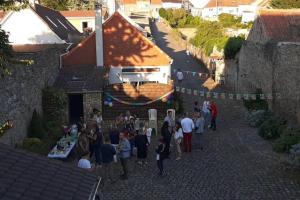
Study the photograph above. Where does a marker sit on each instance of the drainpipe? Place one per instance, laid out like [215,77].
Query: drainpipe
[61,55]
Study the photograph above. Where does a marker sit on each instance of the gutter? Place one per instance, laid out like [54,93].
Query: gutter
[61,55]
[94,192]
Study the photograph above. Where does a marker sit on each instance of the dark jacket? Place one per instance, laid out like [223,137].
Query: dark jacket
[108,152]
[114,137]
[141,143]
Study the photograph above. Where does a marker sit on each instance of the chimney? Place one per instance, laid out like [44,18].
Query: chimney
[99,36]
[33,2]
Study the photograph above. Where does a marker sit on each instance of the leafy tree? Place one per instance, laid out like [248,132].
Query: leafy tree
[56,4]
[233,46]
[285,4]
[162,13]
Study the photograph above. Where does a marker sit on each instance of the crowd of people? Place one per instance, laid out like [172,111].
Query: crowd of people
[130,137]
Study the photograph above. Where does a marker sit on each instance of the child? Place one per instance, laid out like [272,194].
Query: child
[148,132]
[160,155]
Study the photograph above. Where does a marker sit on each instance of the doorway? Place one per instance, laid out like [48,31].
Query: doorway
[75,107]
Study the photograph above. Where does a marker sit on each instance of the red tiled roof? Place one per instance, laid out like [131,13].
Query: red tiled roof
[228,3]
[2,14]
[128,1]
[282,24]
[124,45]
[80,13]
[156,1]
[30,48]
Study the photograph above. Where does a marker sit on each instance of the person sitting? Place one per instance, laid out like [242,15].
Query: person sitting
[84,162]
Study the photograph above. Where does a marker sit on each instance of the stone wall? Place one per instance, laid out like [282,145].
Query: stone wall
[91,101]
[21,92]
[275,68]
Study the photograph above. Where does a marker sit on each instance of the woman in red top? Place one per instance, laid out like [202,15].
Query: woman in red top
[214,112]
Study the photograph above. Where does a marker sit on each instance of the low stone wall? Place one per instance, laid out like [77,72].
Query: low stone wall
[21,92]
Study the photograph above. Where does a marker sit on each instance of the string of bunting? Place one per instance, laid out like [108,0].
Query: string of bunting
[200,74]
[139,104]
[224,95]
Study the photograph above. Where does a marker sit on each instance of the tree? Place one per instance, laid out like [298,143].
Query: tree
[285,4]
[56,4]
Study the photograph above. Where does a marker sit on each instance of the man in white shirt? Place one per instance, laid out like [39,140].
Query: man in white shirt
[179,76]
[187,125]
[170,121]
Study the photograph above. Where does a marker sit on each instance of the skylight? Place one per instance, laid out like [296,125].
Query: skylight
[62,24]
[51,21]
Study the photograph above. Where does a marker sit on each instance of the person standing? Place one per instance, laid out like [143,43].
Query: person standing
[141,143]
[166,135]
[124,154]
[179,76]
[108,152]
[178,136]
[170,121]
[160,155]
[206,112]
[199,123]
[214,112]
[148,133]
[187,125]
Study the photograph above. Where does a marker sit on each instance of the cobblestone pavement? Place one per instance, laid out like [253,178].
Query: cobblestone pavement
[231,163]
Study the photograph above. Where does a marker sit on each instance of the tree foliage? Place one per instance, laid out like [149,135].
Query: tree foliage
[56,4]
[285,4]
[233,46]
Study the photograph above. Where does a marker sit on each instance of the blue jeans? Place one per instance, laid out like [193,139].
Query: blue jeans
[213,125]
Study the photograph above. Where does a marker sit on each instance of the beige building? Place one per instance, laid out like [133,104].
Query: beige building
[83,20]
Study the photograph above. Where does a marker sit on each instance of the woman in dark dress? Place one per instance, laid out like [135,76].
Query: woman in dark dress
[166,135]
[160,155]
[141,143]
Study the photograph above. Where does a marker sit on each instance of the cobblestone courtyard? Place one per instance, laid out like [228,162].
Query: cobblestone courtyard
[235,163]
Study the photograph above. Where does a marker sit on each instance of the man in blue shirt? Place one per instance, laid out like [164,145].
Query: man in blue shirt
[124,154]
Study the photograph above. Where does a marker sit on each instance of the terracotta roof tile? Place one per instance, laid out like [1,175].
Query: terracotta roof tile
[124,45]
[80,13]
[283,25]
[31,48]
[2,15]
[145,93]
[156,1]
[228,3]
[128,1]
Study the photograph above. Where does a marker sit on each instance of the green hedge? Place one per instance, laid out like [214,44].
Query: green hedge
[288,138]
[272,128]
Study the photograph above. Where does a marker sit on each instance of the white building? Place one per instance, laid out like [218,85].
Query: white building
[38,25]
[197,6]
[241,8]
[174,4]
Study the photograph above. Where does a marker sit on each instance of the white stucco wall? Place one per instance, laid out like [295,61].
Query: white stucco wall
[171,5]
[214,12]
[116,75]
[26,27]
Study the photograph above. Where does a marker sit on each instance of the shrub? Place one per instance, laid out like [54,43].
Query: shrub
[233,46]
[255,118]
[272,128]
[32,144]
[228,20]
[258,104]
[288,138]
[54,104]
[36,128]
[162,12]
